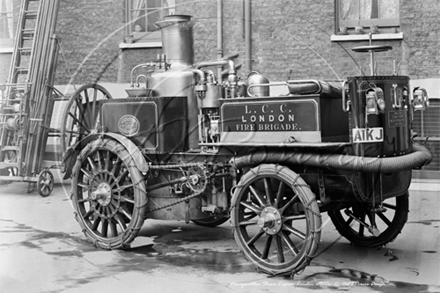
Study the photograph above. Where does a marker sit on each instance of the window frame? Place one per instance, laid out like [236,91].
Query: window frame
[380,22]
[152,37]
[7,44]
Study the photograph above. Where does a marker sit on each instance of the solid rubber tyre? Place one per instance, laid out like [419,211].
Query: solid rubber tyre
[359,236]
[108,194]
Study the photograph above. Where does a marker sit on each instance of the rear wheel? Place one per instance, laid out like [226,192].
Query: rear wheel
[81,116]
[275,219]
[387,224]
[109,194]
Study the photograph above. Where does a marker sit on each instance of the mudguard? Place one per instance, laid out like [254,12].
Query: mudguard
[73,152]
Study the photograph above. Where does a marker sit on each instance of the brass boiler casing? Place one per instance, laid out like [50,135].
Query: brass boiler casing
[179,80]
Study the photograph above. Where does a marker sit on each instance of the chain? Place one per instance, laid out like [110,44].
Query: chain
[183,199]
[175,202]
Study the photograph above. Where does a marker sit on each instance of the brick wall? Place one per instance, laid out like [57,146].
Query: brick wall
[291,39]
[90,32]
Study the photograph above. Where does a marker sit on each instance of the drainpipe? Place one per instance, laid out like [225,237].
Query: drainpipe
[247,35]
[219,35]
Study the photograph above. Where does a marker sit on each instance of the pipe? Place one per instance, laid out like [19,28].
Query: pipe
[247,35]
[201,75]
[419,157]
[219,34]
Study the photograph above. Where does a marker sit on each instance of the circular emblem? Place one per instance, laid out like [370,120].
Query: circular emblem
[128,125]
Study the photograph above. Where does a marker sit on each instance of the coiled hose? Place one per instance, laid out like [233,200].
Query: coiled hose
[419,157]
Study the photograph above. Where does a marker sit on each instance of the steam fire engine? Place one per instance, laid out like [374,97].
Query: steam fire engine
[191,145]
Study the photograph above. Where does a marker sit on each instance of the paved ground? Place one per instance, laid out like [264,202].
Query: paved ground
[43,250]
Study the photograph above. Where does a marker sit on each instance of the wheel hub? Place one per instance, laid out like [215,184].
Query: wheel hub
[102,194]
[270,220]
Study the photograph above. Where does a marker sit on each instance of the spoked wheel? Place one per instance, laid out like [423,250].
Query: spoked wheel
[276,219]
[385,225]
[45,183]
[211,222]
[81,116]
[109,194]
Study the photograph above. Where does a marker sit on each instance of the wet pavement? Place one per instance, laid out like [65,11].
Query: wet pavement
[42,249]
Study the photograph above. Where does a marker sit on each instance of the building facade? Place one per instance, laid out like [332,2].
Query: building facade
[102,40]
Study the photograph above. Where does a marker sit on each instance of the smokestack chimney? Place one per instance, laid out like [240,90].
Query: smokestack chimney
[177,40]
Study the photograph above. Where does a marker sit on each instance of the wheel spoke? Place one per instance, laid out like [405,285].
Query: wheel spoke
[249,215]
[289,243]
[104,228]
[80,123]
[291,201]
[93,165]
[95,93]
[348,222]
[257,196]
[125,213]
[79,107]
[255,238]
[121,222]
[361,227]
[87,173]
[116,167]
[280,193]
[294,231]
[96,223]
[247,223]
[83,200]
[389,206]
[123,187]
[88,214]
[86,105]
[294,218]
[280,251]
[268,189]
[384,219]
[251,207]
[266,247]
[113,228]
[107,161]
[127,199]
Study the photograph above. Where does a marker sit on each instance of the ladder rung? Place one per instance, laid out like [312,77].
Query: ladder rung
[30,14]
[4,165]
[27,32]
[21,69]
[25,50]
[9,148]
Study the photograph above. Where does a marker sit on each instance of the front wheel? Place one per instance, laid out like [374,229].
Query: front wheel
[388,224]
[108,194]
[276,219]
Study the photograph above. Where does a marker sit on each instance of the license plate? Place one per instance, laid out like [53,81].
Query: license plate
[363,135]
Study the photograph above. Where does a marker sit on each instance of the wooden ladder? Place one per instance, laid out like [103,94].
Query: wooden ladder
[25,103]
[15,103]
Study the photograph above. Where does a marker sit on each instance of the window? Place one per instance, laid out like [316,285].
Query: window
[141,16]
[367,13]
[6,24]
